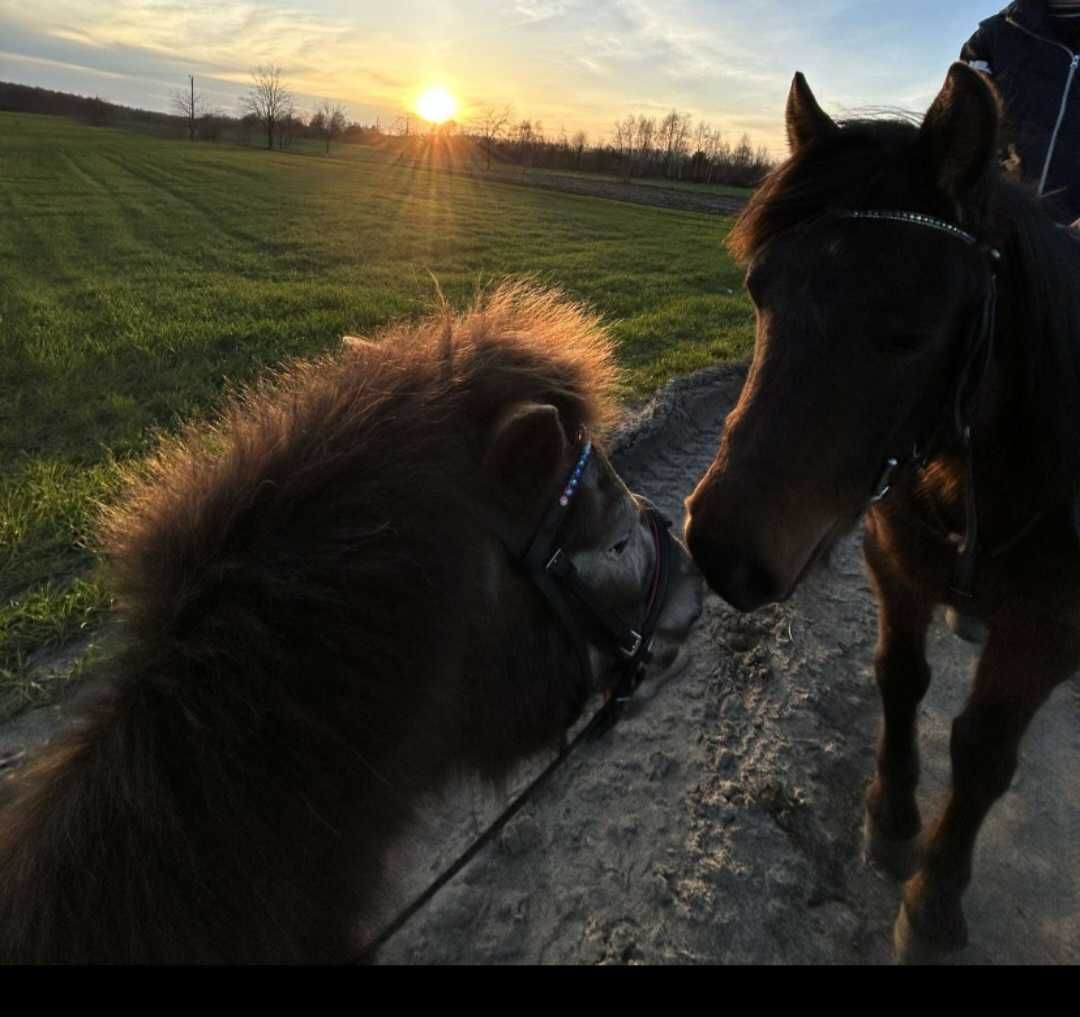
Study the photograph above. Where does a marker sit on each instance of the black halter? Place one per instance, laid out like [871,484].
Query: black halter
[597,624]
[975,362]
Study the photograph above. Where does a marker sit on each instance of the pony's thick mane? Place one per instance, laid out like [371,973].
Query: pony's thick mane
[308,643]
[876,163]
[354,435]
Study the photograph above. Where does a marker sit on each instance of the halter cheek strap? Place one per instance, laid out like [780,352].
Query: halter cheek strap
[595,623]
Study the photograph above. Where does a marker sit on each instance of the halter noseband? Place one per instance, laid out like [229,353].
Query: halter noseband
[554,574]
[971,374]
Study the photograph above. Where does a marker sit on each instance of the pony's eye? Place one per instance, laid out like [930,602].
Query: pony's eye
[620,546]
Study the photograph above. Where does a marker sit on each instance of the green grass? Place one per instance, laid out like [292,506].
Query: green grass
[140,277]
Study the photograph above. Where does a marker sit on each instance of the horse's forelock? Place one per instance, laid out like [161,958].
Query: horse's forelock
[839,171]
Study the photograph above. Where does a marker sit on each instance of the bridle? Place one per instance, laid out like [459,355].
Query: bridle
[552,571]
[973,369]
[549,567]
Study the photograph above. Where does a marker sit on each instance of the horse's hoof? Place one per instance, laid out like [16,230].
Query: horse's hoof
[913,948]
[910,947]
[899,858]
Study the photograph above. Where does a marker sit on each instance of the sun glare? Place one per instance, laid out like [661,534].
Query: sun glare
[436,105]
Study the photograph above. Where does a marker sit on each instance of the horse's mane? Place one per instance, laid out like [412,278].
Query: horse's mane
[354,439]
[861,165]
[873,162]
[306,643]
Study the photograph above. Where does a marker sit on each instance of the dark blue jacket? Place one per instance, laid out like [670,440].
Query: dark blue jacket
[1038,77]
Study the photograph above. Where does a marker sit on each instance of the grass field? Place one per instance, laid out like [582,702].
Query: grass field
[139,278]
[515,171]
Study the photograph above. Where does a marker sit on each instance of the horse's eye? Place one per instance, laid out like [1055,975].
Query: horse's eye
[620,546]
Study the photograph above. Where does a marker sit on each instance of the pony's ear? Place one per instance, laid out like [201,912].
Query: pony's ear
[527,447]
[805,119]
[959,133]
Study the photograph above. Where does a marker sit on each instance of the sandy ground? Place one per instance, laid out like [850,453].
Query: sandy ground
[720,821]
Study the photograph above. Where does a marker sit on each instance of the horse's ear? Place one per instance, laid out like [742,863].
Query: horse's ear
[805,119]
[528,445]
[959,133]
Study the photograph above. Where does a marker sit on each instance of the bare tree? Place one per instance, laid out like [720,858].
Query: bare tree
[190,104]
[674,135]
[290,126]
[645,132]
[523,137]
[624,141]
[269,101]
[618,138]
[577,146]
[330,121]
[491,125]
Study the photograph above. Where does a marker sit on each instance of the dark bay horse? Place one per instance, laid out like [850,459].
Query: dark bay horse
[917,354]
[380,568]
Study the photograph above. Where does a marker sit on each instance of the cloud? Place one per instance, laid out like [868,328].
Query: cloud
[532,11]
[581,62]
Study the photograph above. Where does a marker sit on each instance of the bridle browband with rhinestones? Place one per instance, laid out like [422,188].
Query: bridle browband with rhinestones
[918,218]
[553,572]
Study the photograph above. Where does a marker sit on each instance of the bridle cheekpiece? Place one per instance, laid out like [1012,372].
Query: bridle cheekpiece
[974,365]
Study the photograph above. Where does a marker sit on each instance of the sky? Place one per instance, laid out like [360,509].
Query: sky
[572,64]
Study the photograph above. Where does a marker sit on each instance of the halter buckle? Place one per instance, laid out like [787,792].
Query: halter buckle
[632,652]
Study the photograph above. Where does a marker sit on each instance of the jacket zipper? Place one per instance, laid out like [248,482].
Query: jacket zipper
[1074,59]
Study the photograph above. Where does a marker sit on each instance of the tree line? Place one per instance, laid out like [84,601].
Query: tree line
[268,106]
[671,147]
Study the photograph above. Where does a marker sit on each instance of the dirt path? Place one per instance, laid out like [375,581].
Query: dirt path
[720,822]
[684,199]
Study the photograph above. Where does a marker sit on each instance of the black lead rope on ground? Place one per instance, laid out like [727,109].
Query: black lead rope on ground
[600,722]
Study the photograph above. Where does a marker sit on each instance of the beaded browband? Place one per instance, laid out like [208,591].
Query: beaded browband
[919,219]
[575,477]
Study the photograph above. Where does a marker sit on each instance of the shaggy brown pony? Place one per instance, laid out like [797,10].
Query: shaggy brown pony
[319,625]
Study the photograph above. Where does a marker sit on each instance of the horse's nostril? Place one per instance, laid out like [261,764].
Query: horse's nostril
[747,586]
[738,577]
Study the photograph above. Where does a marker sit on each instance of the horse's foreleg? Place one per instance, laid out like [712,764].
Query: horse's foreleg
[903,676]
[1017,671]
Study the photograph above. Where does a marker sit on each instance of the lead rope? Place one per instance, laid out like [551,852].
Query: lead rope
[600,722]
[629,672]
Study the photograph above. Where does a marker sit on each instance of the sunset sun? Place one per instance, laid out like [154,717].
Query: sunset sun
[436,105]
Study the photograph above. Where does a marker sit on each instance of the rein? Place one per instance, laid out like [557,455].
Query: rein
[550,568]
[965,398]
[600,722]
